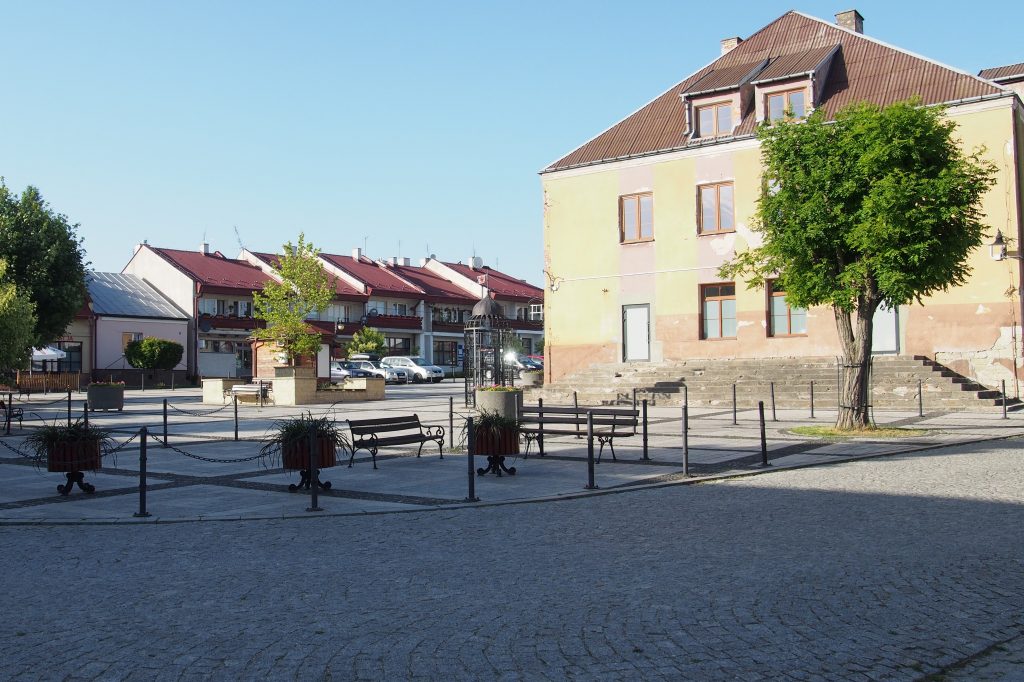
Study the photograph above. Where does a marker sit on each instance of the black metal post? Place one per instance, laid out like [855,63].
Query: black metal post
[686,442]
[734,422]
[10,406]
[314,470]
[451,423]
[920,399]
[540,426]
[644,404]
[772,386]
[590,452]
[686,396]
[1004,398]
[143,433]
[69,407]
[576,406]
[259,392]
[85,414]
[142,380]
[165,421]
[634,398]
[812,400]
[839,386]
[764,440]
[471,469]
[235,400]
[172,379]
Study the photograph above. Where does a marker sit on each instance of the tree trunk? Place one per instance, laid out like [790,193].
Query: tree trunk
[855,337]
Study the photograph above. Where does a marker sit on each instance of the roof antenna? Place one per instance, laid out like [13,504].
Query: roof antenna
[365,237]
[239,238]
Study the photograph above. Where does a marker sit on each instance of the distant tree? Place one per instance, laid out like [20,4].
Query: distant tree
[17,324]
[305,288]
[367,340]
[878,207]
[44,258]
[152,353]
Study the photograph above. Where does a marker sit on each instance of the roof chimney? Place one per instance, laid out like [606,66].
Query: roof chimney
[204,248]
[357,254]
[850,19]
[476,262]
[729,43]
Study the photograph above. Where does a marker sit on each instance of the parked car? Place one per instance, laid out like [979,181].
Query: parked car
[521,363]
[418,368]
[343,369]
[392,375]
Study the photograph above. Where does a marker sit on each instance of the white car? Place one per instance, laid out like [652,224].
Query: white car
[392,375]
[418,368]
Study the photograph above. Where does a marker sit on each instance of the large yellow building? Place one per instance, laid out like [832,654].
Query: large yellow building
[639,219]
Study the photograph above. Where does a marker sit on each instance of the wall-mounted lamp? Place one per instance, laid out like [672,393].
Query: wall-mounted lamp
[997,249]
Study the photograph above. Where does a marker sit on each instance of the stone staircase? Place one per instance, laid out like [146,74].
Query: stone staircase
[709,383]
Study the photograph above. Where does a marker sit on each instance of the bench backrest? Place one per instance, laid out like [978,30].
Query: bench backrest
[557,414]
[362,427]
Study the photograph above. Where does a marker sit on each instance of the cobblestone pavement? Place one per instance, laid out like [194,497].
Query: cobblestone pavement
[905,567]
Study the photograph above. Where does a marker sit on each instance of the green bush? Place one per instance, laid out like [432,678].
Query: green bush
[152,353]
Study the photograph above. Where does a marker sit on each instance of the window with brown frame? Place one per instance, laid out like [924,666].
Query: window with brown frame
[715,208]
[789,104]
[636,217]
[718,311]
[784,320]
[714,120]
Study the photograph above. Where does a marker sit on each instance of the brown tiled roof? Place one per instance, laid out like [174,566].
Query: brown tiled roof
[795,64]
[863,69]
[214,272]
[726,78]
[999,73]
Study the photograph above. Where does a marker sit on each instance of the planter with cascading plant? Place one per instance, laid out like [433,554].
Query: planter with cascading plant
[496,437]
[71,449]
[295,438]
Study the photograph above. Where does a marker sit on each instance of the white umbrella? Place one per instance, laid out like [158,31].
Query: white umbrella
[48,353]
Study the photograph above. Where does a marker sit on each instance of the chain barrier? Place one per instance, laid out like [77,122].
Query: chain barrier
[34,404]
[16,450]
[199,413]
[122,446]
[215,460]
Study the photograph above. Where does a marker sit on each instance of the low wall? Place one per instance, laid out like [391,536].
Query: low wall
[303,391]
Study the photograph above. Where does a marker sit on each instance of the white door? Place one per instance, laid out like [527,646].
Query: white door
[885,337]
[636,332]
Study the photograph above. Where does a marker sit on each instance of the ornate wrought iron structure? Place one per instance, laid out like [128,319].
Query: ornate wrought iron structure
[488,336]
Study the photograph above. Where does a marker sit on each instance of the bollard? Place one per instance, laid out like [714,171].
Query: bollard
[812,400]
[314,473]
[142,380]
[235,400]
[85,414]
[920,399]
[734,422]
[143,433]
[69,407]
[774,419]
[686,442]
[1004,398]
[590,452]
[576,406]
[764,441]
[644,404]
[165,421]
[686,396]
[471,497]
[451,423]
[10,404]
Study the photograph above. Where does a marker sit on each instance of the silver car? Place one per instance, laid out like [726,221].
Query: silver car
[392,375]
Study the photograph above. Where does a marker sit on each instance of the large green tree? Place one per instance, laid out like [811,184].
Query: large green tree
[367,340]
[45,260]
[880,206]
[17,324]
[285,305]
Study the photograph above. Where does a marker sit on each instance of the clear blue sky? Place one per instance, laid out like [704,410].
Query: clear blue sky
[407,124]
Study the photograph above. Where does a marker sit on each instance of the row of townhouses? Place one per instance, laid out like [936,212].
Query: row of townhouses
[664,197]
[204,300]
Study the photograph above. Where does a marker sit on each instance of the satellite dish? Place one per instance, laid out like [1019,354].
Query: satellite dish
[371,313]
[205,326]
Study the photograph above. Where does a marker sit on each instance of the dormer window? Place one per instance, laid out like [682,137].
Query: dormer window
[788,104]
[714,120]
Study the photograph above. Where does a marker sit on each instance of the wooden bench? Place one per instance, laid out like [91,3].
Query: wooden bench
[14,413]
[373,434]
[259,390]
[610,423]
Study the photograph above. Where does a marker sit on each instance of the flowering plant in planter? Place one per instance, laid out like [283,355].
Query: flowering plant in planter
[498,388]
[109,384]
[496,436]
[70,448]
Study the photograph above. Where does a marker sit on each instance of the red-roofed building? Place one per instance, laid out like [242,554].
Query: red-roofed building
[419,309]
[639,219]
[216,292]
